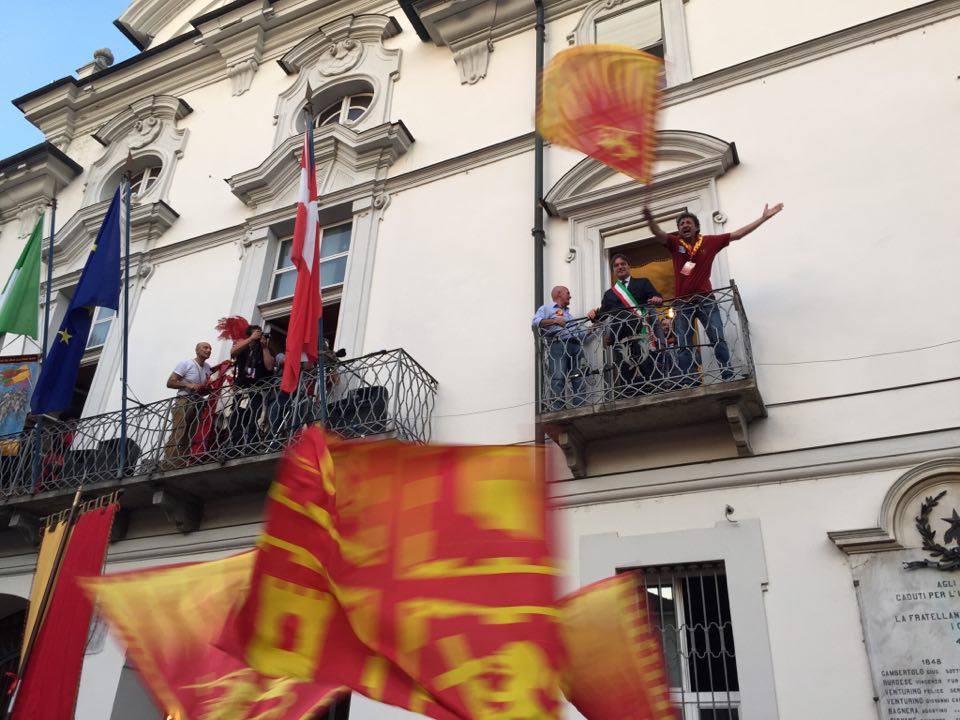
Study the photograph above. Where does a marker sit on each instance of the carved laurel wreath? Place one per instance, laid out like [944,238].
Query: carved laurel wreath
[947,558]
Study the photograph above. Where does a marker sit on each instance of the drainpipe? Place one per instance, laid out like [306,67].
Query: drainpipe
[537,232]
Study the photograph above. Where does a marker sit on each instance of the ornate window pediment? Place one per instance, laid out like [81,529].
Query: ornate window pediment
[344,158]
[683,157]
[147,131]
[344,55]
[147,222]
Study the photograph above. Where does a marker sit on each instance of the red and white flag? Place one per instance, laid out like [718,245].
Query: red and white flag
[303,331]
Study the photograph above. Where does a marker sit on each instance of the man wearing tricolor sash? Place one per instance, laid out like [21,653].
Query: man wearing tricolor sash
[631,323]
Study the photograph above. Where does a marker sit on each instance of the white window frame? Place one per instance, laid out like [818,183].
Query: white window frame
[740,547]
[97,320]
[347,103]
[676,49]
[335,288]
[143,180]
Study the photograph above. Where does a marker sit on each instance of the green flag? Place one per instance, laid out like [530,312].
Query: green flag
[20,299]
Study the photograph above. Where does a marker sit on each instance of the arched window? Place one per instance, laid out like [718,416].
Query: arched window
[143,180]
[345,111]
[345,103]
[144,176]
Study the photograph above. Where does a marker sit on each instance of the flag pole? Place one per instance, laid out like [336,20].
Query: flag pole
[321,365]
[49,288]
[44,602]
[127,175]
[48,292]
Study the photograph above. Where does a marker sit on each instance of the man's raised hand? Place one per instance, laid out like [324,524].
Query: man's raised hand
[769,212]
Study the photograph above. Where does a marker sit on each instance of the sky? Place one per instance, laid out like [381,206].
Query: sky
[44,40]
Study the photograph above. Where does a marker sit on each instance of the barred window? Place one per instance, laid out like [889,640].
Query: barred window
[689,607]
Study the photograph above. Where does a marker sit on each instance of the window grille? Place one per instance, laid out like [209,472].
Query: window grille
[689,607]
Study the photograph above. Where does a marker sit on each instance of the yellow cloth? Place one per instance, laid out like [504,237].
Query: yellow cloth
[41,578]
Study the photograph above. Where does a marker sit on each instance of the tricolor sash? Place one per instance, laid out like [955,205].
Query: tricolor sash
[623,293]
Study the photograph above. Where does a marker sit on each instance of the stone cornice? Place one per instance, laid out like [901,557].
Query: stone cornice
[461,163]
[69,106]
[703,156]
[147,222]
[237,32]
[776,468]
[33,176]
[458,24]
[368,153]
[143,19]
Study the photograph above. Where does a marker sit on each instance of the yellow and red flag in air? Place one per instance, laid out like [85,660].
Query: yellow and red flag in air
[602,100]
[168,618]
[439,560]
[614,668]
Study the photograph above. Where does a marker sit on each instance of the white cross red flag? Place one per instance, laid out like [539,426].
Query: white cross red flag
[303,331]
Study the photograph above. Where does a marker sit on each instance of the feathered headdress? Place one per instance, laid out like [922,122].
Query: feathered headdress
[232,328]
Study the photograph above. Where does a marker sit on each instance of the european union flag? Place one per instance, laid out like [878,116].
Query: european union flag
[99,286]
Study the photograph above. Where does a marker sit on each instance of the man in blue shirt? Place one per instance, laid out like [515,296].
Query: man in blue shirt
[562,345]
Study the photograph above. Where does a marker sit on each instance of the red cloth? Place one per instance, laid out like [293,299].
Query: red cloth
[204,438]
[699,280]
[303,332]
[52,676]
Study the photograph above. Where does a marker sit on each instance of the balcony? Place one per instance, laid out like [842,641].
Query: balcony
[181,452]
[682,363]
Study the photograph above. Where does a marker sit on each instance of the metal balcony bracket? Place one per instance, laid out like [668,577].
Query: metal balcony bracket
[570,441]
[739,428]
[184,511]
[27,525]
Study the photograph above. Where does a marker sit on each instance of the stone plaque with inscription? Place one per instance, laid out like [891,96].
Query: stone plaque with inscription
[907,579]
[911,624]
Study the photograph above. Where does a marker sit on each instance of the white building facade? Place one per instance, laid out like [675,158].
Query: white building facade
[761,496]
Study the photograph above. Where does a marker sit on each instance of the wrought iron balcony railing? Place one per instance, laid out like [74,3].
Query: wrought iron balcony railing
[651,350]
[382,393]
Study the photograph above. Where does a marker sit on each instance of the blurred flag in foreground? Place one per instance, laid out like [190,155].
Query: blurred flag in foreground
[437,558]
[602,100]
[614,668]
[168,617]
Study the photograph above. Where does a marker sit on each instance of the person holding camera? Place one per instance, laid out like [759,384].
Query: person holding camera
[254,363]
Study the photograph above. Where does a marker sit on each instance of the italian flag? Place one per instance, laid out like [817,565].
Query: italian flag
[20,299]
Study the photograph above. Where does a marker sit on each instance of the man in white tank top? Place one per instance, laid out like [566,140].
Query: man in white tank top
[189,378]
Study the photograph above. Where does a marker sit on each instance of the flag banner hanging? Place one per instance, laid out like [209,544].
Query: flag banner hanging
[439,558]
[602,100]
[49,686]
[171,643]
[20,297]
[52,535]
[18,375]
[614,668]
[306,308]
[99,286]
